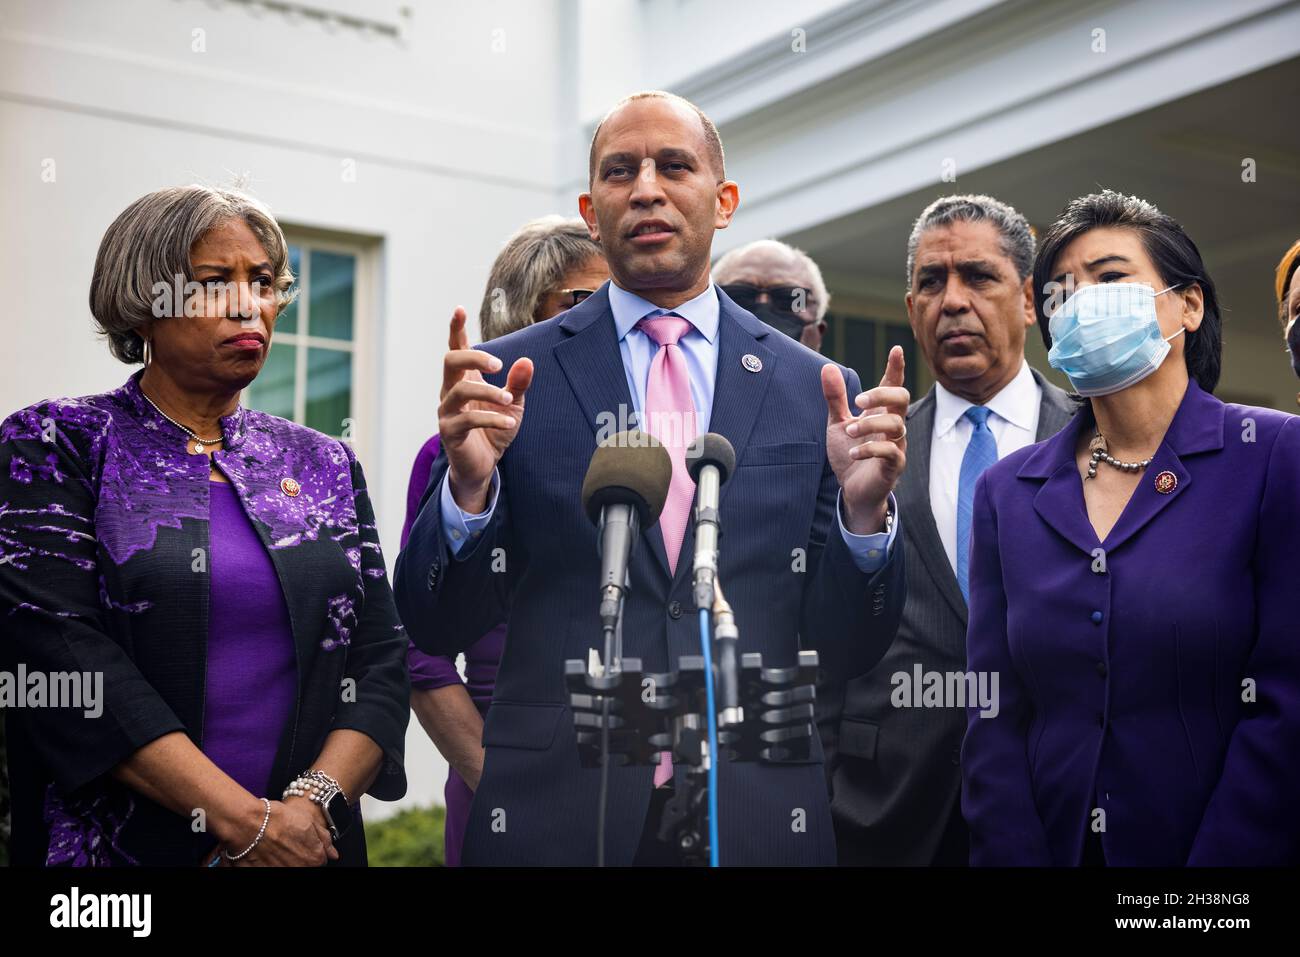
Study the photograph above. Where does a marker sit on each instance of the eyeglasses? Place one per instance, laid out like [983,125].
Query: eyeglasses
[796,301]
[571,297]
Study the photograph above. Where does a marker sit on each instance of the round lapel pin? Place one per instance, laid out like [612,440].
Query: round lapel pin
[1166,482]
[752,362]
[290,487]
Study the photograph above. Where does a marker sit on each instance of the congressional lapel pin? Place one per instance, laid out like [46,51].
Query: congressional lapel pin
[1166,482]
[290,487]
[752,362]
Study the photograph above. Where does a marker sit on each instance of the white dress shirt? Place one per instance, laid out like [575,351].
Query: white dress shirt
[1014,424]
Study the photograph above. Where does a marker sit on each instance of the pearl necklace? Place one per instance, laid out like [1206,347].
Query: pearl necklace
[1099,454]
[200,444]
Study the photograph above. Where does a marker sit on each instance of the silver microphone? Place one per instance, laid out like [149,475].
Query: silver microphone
[710,460]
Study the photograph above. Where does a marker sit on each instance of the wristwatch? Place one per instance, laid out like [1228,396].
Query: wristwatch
[338,813]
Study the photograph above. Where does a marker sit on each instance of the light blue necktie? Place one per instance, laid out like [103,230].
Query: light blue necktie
[981,452]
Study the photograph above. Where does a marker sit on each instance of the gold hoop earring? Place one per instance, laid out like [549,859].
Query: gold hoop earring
[147,353]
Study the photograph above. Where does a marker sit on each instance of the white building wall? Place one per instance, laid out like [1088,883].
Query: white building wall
[452,134]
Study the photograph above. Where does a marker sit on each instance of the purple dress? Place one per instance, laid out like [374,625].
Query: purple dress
[251,670]
[431,671]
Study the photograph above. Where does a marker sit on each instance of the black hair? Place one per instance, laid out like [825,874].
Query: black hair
[1172,251]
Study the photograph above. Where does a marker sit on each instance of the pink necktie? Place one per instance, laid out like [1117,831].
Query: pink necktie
[669,416]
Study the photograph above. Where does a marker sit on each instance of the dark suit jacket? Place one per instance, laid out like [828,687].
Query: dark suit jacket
[535,803]
[894,771]
[101,530]
[1124,684]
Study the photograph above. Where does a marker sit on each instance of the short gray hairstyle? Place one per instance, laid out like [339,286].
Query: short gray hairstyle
[729,261]
[1017,237]
[150,243]
[533,261]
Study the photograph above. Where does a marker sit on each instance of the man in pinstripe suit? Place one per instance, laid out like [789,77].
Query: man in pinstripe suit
[810,555]
[897,730]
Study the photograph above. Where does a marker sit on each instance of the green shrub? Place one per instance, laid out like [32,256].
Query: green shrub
[411,838]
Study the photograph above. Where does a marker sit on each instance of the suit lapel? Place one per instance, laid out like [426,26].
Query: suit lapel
[1059,502]
[914,505]
[599,385]
[1197,426]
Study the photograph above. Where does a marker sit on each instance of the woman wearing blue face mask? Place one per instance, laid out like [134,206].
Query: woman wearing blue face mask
[1130,581]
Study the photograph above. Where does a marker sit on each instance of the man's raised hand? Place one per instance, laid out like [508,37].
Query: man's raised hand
[868,451]
[477,421]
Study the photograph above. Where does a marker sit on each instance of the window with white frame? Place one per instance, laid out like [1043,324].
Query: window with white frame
[311,375]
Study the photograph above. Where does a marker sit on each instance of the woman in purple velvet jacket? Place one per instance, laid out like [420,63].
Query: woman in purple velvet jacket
[1132,581]
[207,577]
[549,265]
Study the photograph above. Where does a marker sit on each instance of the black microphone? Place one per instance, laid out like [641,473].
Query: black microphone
[710,459]
[623,493]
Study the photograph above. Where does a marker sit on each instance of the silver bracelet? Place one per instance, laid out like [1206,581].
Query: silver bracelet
[260,831]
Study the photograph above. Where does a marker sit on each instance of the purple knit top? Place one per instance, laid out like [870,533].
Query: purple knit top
[252,664]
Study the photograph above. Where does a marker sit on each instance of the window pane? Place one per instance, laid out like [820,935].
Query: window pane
[329,388]
[288,321]
[272,390]
[333,277]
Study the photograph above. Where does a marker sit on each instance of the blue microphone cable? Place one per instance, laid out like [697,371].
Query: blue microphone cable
[713,738]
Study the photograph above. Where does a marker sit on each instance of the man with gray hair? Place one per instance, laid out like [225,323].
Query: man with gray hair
[896,776]
[780,285]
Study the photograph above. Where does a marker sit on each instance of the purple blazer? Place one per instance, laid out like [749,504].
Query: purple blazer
[1150,681]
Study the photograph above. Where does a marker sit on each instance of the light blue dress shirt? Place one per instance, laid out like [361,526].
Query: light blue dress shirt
[637,349]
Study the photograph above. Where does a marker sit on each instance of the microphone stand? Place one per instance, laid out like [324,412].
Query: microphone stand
[613,664]
[690,818]
[752,713]
[765,715]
